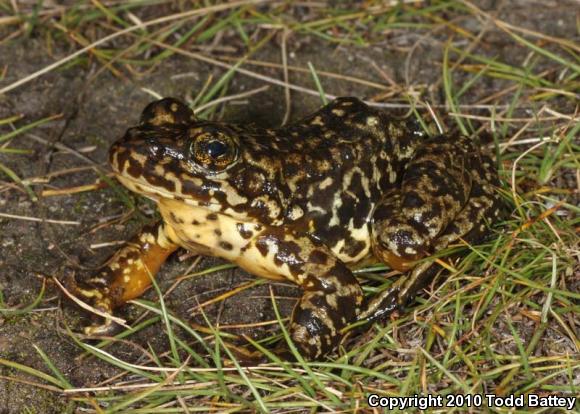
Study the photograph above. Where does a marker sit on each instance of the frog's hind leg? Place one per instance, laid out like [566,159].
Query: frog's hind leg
[127,274]
[484,207]
[332,296]
[446,195]
[435,188]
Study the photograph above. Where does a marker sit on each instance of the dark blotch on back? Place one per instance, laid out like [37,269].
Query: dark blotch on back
[318,257]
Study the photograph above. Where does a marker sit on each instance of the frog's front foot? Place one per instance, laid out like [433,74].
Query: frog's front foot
[125,276]
[103,320]
[96,298]
[106,328]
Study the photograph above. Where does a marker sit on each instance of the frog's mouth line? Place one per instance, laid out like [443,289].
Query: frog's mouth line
[156,193]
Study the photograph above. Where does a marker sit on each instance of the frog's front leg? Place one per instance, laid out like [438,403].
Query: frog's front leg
[332,296]
[446,194]
[128,273]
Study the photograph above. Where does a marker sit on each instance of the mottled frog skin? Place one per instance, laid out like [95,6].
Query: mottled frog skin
[302,203]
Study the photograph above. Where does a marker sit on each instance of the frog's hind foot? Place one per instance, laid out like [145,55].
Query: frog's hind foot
[400,294]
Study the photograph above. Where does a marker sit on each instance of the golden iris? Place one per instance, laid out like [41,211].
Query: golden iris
[214,151]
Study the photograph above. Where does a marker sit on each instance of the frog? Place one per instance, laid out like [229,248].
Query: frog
[305,203]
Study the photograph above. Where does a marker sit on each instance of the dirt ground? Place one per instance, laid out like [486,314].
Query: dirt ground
[96,110]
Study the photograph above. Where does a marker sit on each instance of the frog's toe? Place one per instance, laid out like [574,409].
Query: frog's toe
[94,293]
[79,291]
[107,328]
[91,290]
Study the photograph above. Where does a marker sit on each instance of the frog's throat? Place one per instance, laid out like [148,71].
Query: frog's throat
[200,230]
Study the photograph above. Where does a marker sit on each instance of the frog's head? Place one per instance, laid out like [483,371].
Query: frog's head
[173,155]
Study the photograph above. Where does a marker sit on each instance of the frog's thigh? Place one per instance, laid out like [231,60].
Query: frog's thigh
[434,189]
[332,296]
[470,224]
[482,208]
[128,273]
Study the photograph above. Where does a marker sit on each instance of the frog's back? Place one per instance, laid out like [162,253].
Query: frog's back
[336,164]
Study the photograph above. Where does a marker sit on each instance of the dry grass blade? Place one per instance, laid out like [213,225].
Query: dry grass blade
[87,307]
[40,220]
[177,16]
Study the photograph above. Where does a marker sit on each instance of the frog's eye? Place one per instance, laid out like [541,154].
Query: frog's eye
[214,151]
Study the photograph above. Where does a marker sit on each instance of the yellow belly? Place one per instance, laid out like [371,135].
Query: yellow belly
[201,230]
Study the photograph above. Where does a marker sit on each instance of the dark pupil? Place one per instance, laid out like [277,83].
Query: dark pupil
[216,149]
